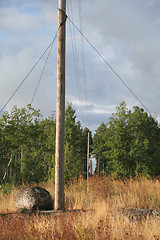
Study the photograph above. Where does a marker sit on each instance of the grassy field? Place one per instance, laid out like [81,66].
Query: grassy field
[99,216]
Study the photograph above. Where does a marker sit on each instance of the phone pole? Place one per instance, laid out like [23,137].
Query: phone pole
[60,112]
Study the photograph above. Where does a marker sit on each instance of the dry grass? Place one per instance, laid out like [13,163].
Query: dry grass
[7,202]
[103,195]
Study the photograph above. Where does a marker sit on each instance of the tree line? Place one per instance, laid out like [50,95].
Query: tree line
[27,146]
[128,144]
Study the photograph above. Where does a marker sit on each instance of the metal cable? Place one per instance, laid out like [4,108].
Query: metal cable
[83,56]
[120,78]
[29,72]
[73,50]
[42,72]
[75,57]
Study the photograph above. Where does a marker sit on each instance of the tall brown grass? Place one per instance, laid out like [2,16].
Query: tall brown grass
[98,217]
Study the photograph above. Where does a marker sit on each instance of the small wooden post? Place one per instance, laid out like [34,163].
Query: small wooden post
[88,158]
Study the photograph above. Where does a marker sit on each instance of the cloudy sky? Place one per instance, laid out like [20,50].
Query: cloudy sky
[125,32]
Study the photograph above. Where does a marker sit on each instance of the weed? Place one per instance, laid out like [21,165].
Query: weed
[102,199]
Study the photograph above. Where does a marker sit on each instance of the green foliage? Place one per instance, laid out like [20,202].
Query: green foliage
[75,145]
[128,143]
[27,146]
[6,188]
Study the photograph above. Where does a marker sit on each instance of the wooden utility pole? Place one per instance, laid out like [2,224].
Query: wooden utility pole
[60,113]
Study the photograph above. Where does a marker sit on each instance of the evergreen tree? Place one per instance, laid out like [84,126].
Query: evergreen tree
[73,146]
[100,147]
[129,143]
[27,145]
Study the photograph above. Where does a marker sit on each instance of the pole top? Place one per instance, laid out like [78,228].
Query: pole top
[62,5]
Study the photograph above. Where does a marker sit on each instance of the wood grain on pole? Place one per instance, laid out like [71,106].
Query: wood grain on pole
[60,113]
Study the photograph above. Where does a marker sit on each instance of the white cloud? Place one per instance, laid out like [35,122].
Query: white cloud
[15,22]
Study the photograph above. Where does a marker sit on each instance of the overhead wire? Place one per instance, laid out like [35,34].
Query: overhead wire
[114,71]
[38,83]
[94,48]
[75,58]
[74,51]
[29,72]
[83,58]
[73,47]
